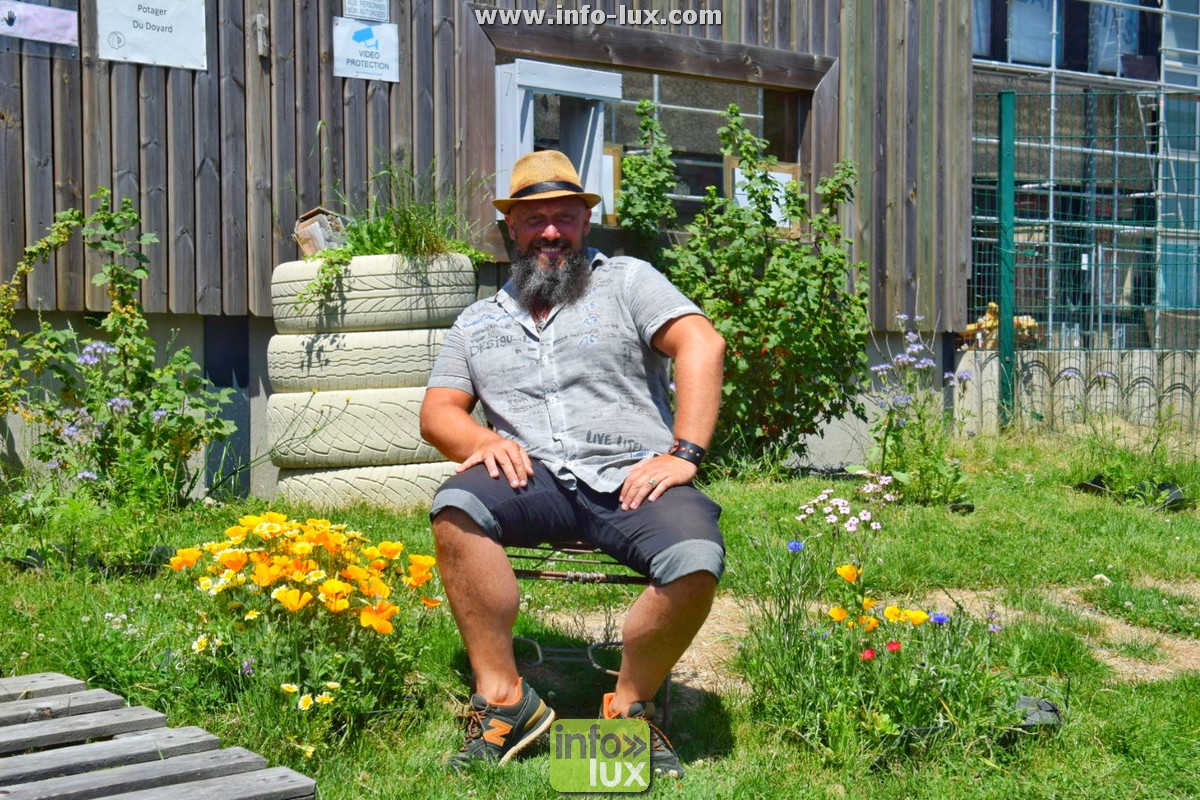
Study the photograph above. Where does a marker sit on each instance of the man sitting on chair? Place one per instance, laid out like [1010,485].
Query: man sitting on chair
[570,359]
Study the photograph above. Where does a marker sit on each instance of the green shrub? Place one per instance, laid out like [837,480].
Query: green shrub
[109,423]
[776,280]
[647,178]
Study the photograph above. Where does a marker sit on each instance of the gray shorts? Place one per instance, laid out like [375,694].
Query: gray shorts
[674,536]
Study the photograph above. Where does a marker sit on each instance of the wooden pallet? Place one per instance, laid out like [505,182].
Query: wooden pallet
[58,739]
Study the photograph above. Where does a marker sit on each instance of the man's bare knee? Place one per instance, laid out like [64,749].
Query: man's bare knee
[451,524]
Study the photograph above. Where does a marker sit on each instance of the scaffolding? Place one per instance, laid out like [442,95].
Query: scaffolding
[1107,229]
[1107,235]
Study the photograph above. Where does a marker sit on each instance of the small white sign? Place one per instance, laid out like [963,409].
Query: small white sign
[366,50]
[376,10]
[166,33]
[39,23]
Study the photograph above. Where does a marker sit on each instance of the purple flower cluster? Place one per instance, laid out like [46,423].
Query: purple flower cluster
[93,353]
[120,405]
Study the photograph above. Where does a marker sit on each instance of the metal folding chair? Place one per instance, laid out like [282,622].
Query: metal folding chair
[585,564]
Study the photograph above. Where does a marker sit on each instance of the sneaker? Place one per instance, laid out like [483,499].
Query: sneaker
[663,760]
[497,733]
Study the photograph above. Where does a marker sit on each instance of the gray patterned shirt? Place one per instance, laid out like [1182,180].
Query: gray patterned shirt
[586,394]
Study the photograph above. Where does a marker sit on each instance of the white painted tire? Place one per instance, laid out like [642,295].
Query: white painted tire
[352,428]
[376,293]
[358,360]
[396,487]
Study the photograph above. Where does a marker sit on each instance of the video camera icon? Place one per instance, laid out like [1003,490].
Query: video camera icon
[366,37]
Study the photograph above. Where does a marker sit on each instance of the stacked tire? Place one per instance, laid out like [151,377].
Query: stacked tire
[348,377]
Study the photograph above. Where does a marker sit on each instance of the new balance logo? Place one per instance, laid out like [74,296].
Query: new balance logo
[497,732]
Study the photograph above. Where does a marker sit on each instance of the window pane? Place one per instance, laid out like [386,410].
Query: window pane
[1029,25]
[1114,33]
[1179,33]
[981,33]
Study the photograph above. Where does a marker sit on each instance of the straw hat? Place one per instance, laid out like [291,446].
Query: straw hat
[541,176]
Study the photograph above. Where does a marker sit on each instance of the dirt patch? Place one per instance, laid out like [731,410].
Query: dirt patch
[707,664]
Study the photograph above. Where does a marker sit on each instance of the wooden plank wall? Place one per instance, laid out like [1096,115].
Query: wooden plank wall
[218,162]
[906,119]
[221,161]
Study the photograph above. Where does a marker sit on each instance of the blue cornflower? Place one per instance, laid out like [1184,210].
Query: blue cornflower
[159,414]
[903,360]
[939,619]
[87,360]
[87,475]
[795,545]
[925,363]
[880,369]
[912,337]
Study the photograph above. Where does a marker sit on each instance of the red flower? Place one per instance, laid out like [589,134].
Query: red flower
[867,654]
[894,646]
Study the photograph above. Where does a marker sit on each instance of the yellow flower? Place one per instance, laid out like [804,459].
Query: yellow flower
[302,548]
[236,533]
[305,702]
[355,573]
[869,623]
[201,644]
[915,616]
[309,750]
[390,550]
[289,688]
[233,559]
[205,583]
[378,617]
[316,576]
[267,530]
[332,685]
[187,557]
[431,602]
[324,698]
[869,603]
[849,572]
[893,613]
[252,615]
[838,614]
[374,587]
[292,599]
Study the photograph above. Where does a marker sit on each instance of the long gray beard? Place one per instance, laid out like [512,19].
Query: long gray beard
[546,288]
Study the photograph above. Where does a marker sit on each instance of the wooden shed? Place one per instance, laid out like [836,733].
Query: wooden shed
[220,161]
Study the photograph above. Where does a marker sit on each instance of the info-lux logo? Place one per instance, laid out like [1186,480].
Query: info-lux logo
[600,755]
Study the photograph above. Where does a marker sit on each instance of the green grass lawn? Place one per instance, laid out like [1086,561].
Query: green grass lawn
[1029,536]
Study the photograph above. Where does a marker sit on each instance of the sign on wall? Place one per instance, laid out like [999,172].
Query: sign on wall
[166,33]
[39,23]
[368,50]
[375,10]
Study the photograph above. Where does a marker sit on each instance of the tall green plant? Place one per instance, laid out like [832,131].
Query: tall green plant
[408,214]
[647,178]
[109,422]
[776,279]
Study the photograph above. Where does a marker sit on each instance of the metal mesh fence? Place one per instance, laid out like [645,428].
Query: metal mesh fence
[1106,267]
[1106,227]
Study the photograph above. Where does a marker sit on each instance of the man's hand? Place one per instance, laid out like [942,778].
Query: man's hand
[502,455]
[648,479]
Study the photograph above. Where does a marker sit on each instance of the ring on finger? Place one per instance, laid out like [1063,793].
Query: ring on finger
[652,482]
